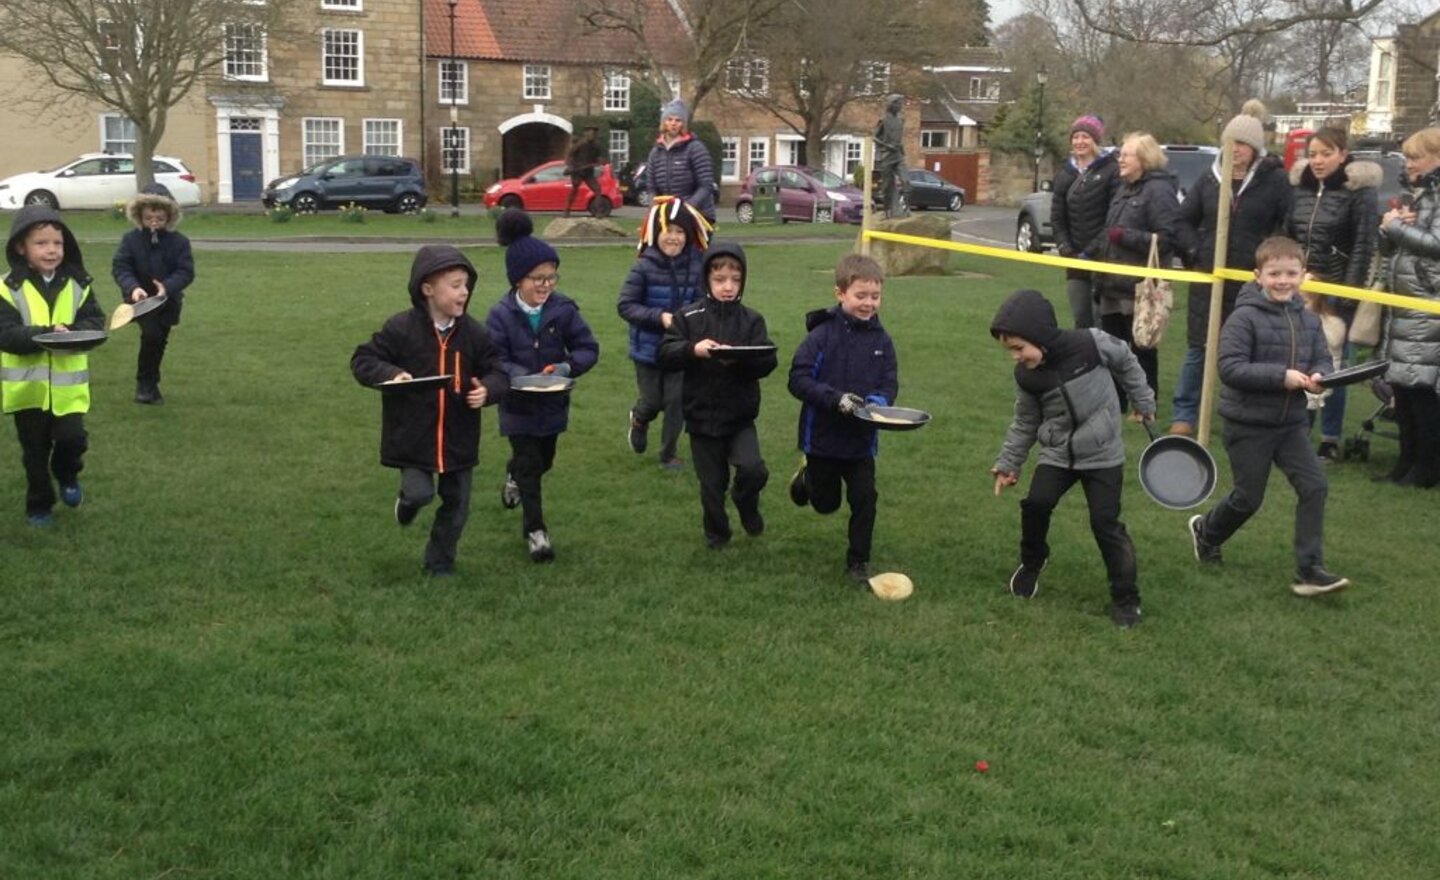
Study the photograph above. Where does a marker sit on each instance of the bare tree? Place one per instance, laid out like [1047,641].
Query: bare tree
[1196,22]
[140,57]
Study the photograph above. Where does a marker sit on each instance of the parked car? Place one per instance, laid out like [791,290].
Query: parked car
[1033,231]
[95,180]
[389,183]
[1393,164]
[930,190]
[547,188]
[802,192]
[634,186]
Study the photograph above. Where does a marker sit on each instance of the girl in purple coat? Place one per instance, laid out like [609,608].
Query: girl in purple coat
[537,330]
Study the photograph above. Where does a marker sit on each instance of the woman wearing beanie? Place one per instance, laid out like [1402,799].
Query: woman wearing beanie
[1081,195]
[1259,206]
[679,164]
[537,329]
[1334,217]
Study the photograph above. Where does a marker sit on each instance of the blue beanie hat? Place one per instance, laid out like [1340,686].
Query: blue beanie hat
[677,108]
[523,251]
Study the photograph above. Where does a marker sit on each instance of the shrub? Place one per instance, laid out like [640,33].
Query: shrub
[427,215]
[352,213]
[281,214]
[117,209]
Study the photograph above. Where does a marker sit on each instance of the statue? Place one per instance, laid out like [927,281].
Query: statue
[890,156]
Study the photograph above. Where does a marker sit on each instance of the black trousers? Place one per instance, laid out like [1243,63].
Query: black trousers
[1417,416]
[586,177]
[1252,450]
[1102,495]
[154,336]
[49,445]
[530,458]
[661,392]
[714,457]
[1121,327]
[418,488]
[823,477]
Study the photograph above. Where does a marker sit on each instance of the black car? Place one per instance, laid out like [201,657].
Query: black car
[389,183]
[930,190]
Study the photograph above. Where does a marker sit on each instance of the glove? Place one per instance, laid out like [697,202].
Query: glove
[876,400]
[560,369]
[1066,250]
[850,404]
[1116,234]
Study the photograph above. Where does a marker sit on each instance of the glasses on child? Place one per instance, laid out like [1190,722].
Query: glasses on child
[544,280]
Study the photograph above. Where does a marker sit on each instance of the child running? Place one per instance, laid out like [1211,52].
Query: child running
[153,259]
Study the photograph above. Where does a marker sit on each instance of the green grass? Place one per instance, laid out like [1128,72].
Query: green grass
[226,665]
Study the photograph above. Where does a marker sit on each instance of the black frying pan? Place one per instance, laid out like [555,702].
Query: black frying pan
[1177,472]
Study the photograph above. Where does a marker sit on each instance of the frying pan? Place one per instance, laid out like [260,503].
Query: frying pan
[1357,373]
[1175,471]
[71,340]
[420,383]
[541,383]
[893,418]
[126,312]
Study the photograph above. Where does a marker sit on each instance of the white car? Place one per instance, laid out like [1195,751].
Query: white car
[95,180]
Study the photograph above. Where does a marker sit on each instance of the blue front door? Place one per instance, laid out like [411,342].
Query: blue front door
[246,168]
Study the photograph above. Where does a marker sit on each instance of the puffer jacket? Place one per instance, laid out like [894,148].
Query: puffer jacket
[721,396]
[657,284]
[1258,344]
[1336,221]
[1080,200]
[1068,404]
[1258,209]
[1412,255]
[145,257]
[841,355]
[1140,208]
[563,338]
[683,169]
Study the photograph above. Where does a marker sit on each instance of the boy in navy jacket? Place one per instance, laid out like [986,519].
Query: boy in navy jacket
[537,329]
[434,436]
[846,362]
[153,259]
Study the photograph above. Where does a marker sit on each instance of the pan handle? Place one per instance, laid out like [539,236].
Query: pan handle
[1150,429]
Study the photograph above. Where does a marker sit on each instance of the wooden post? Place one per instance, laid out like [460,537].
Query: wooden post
[867,221]
[1217,291]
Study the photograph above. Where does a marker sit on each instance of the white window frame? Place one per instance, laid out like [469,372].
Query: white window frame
[619,147]
[934,139]
[729,158]
[535,82]
[748,75]
[359,57]
[874,78]
[984,88]
[790,144]
[310,146]
[461,82]
[751,153]
[672,79]
[616,91]
[464,165]
[232,47]
[343,5]
[374,145]
[118,144]
[854,152]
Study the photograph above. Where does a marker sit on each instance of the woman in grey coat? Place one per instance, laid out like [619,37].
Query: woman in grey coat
[1410,246]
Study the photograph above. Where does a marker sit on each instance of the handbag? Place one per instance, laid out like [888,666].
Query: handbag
[1365,326]
[1153,301]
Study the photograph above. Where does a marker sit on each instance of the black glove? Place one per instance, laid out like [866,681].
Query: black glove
[850,403]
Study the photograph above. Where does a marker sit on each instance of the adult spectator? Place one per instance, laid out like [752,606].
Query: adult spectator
[679,163]
[1080,198]
[1334,218]
[1410,241]
[1259,206]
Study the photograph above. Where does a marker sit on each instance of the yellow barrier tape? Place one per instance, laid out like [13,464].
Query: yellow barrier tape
[1341,290]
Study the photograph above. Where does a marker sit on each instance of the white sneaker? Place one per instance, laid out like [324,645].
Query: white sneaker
[540,549]
[510,493]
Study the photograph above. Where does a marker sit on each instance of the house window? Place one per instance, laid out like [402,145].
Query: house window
[791,151]
[347,5]
[873,78]
[748,75]
[984,88]
[454,82]
[383,136]
[759,152]
[343,57]
[854,150]
[934,139]
[619,147]
[537,82]
[323,138]
[117,134]
[729,158]
[617,91]
[455,149]
[111,47]
[245,52]
[672,80]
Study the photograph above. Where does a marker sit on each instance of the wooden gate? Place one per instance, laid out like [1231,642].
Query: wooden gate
[961,169]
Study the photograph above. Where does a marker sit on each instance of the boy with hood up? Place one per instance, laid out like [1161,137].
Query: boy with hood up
[1065,398]
[46,290]
[153,259]
[429,433]
[721,395]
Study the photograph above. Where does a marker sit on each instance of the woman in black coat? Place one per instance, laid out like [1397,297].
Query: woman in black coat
[679,164]
[1080,198]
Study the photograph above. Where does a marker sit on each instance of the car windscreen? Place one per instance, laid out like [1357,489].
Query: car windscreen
[1187,166]
[827,178]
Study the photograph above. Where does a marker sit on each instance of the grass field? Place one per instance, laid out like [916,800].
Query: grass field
[226,664]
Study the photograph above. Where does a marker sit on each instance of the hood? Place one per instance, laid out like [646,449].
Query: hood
[1251,295]
[30,215]
[820,316]
[1028,315]
[724,249]
[431,258]
[1108,155]
[154,195]
[1353,174]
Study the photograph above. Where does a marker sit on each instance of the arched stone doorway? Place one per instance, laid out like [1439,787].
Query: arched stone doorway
[531,138]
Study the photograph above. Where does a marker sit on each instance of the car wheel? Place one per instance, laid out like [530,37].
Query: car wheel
[408,203]
[511,201]
[305,203]
[42,197]
[1027,237]
[745,212]
[644,198]
[956,203]
[824,215]
[600,207]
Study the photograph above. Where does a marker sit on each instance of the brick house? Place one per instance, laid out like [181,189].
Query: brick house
[1403,70]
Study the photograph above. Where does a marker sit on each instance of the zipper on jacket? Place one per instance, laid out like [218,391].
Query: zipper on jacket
[440,422]
[1285,410]
[1310,227]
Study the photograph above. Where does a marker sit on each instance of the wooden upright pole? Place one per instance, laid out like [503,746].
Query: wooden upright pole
[1217,291]
[867,221]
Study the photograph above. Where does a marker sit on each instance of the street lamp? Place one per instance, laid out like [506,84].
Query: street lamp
[1041,76]
[454,119]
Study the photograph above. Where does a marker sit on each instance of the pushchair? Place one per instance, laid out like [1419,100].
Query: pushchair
[1357,448]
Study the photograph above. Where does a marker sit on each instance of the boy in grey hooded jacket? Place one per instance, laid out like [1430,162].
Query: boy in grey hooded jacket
[1066,400]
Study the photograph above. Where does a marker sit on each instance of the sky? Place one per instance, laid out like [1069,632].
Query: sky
[1000,10]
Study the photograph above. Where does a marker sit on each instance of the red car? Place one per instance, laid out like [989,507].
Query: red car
[547,188]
